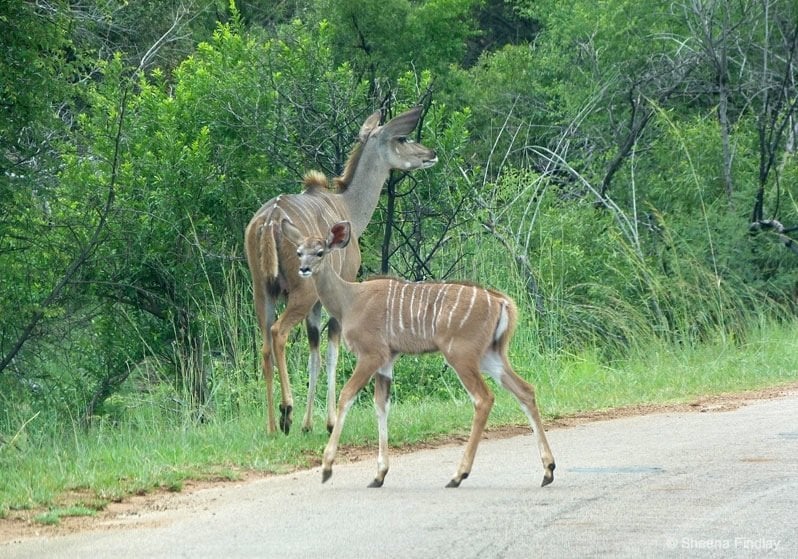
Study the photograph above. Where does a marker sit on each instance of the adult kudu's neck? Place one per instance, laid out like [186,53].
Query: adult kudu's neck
[363,192]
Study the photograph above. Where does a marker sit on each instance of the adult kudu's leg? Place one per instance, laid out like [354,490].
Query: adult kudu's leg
[313,323]
[295,311]
[265,310]
[314,365]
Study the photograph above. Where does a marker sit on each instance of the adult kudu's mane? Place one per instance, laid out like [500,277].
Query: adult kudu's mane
[316,179]
[342,183]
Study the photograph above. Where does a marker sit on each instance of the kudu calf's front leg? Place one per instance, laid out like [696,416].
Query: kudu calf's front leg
[382,405]
[363,372]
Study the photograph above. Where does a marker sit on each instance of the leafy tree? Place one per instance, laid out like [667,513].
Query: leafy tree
[385,39]
[34,83]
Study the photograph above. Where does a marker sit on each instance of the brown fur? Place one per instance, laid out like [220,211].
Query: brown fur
[315,179]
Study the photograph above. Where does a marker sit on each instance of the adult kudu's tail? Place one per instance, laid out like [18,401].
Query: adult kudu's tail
[262,258]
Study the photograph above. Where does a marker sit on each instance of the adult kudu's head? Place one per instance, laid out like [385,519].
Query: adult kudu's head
[274,265]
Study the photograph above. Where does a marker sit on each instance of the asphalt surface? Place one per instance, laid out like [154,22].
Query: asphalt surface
[714,484]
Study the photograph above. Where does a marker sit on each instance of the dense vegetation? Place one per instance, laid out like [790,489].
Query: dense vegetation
[626,172]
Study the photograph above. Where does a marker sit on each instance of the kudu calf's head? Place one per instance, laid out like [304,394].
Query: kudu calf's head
[312,250]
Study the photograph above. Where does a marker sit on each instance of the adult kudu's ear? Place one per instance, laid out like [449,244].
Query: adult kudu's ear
[291,232]
[368,127]
[339,235]
[405,123]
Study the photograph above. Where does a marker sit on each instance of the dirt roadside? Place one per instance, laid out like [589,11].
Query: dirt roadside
[19,525]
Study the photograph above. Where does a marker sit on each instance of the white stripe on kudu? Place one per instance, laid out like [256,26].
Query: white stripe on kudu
[470,307]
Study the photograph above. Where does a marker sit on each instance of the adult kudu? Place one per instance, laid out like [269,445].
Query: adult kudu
[275,267]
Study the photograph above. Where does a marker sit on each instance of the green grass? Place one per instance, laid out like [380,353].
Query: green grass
[70,471]
[666,375]
[54,516]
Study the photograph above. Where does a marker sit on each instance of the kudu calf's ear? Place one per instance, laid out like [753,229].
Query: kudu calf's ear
[291,232]
[339,235]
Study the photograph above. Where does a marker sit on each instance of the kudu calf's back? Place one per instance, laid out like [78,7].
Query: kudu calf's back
[381,318]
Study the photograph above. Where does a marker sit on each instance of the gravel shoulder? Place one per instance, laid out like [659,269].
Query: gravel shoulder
[19,525]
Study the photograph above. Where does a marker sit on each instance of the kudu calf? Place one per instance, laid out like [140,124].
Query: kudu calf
[384,317]
[274,264]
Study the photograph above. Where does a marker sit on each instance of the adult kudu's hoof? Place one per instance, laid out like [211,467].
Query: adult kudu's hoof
[285,418]
[325,475]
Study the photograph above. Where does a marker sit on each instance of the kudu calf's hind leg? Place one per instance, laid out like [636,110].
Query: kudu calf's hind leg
[499,368]
[382,405]
[482,398]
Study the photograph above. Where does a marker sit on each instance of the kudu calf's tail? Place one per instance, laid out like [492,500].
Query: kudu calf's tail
[505,325]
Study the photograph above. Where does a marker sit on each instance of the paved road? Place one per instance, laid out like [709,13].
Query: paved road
[715,484]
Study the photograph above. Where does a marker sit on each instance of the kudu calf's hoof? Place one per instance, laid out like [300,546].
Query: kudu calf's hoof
[548,476]
[285,418]
[325,475]
[455,482]
[376,483]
